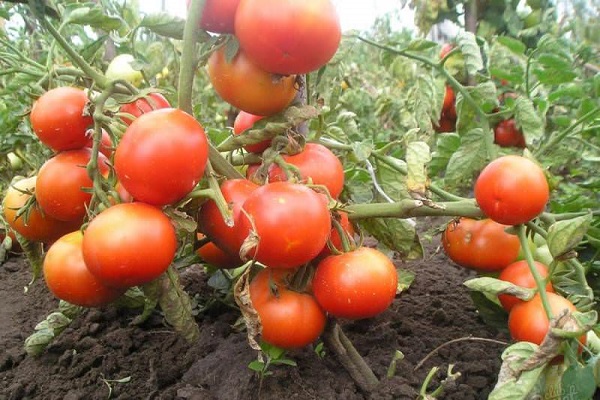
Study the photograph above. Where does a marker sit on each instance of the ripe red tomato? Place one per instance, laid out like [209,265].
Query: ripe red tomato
[218,16]
[449,107]
[58,119]
[246,86]
[334,236]
[62,184]
[129,244]
[482,245]
[506,134]
[446,48]
[69,279]
[243,122]
[210,221]
[106,145]
[161,156]
[445,124]
[528,322]
[289,319]
[215,256]
[316,163]
[519,274]
[512,190]
[291,221]
[39,227]
[288,37]
[154,101]
[355,285]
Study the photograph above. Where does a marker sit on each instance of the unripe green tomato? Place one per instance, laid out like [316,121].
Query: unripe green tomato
[15,161]
[533,19]
[120,68]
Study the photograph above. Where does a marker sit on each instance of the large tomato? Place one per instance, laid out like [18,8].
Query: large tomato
[243,122]
[528,322]
[316,164]
[506,134]
[161,156]
[449,106]
[246,86]
[215,256]
[290,221]
[519,274]
[211,223]
[36,225]
[357,284]
[58,119]
[289,319]
[512,190]
[288,36]
[154,101]
[482,245]
[69,279]
[63,184]
[129,244]
[218,15]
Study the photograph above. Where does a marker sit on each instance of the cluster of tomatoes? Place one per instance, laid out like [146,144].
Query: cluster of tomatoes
[511,190]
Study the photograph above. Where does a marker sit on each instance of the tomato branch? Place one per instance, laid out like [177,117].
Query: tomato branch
[188,54]
[556,139]
[413,208]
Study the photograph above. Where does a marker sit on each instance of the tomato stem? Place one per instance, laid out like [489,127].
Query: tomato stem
[540,282]
[218,198]
[408,208]
[188,54]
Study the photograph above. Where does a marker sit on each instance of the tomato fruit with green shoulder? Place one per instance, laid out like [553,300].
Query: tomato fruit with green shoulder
[519,274]
[289,319]
[512,190]
[59,118]
[290,221]
[482,245]
[129,244]
[68,277]
[162,156]
[357,284]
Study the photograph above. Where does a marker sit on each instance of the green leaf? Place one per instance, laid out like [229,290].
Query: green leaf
[485,96]
[473,154]
[362,150]
[467,43]
[164,24]
[528,120]
[446,145]
[285,361]
[151,294]
[395,234]
[405,279]
[514,45]
[417,156]
[391,181]
[36,343]
[257,366]
[91,16]
[564,236]
[494,287]
[427,106]
[578,382]
[420,45]
[177,306]
[491,313]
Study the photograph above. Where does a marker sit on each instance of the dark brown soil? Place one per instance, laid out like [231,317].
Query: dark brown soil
[103,345]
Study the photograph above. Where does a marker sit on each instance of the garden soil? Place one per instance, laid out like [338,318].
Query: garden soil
[101,349]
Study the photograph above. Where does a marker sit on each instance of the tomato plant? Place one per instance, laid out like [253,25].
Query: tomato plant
[62,188]
[512,190]
[106,145]
[483,245]
[270,215]
[129,244]
[60,120]
[285,37]
[243,122]
[173,144]
[68,277]
[335,240]
[154,101]
[358,284]
[241,83]
[519,274]
[289,319]
[506,134]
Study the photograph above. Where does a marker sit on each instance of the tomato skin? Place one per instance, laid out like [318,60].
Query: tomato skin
[58,121]
[449,107]
[246,86]
[481,245]
[445,125]
[291,221]
[129,244]
[69,279]
[528,322]
[289,319]
[218,16]
[512,190]
[316,162]
[519,274]
[170,142]
[506,134]
[357,284]
[243,122]
[288,37]
[215,256]
[61,183]
[154,101]
[40,227]
[211,223]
